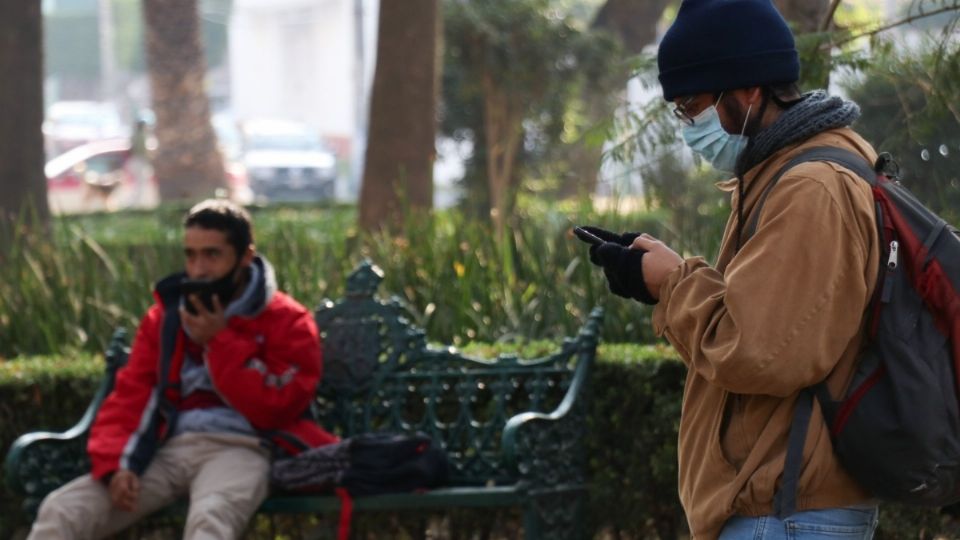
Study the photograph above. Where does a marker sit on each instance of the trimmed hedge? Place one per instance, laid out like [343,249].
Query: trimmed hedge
[41,393]
[635,414]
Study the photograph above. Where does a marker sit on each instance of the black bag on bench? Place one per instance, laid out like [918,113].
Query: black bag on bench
[366,464]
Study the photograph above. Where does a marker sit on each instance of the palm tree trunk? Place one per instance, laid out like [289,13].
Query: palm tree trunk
[188,164]
[398,170]
[23,186]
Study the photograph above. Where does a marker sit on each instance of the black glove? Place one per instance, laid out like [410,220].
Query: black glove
[624,239]
[622,266]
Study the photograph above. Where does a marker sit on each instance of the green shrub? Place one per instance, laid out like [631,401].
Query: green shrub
[633,448]
[41,393]
[635,411]
[908,96]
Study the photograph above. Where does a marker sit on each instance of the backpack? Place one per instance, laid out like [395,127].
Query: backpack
[365,464]
[897,428]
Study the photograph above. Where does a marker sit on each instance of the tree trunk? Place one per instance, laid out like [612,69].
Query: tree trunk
[503,127]
[398,169]
[806,16]
[188,164]
[23,186]
[633,21]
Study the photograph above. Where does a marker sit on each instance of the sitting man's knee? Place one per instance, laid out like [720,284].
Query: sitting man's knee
[217,516]
[74,510]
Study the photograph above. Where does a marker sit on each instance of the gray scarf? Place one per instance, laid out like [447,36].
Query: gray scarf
[816,112]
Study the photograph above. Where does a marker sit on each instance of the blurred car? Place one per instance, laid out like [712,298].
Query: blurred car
[229,138]
[98,176]
[229,141]
[69,124]
[86,178]
[287,161]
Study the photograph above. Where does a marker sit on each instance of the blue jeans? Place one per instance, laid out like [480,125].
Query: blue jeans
[833,523]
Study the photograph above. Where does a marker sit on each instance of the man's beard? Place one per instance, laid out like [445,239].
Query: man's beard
[738,115]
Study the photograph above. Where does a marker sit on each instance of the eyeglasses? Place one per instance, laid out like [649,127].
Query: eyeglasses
[680,111]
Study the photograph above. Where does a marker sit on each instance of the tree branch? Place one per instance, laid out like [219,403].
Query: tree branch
[926,86]
[828,18]
[884,28]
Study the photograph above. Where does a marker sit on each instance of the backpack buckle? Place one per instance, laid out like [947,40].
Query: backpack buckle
[887,166]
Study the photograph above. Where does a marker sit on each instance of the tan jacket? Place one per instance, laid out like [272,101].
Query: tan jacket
[782,314]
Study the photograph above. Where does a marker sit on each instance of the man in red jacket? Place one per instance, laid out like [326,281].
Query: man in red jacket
[220,375]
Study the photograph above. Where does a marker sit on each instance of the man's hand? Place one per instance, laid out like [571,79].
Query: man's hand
[206,323]
[658,261]
[124,490]
[623,268]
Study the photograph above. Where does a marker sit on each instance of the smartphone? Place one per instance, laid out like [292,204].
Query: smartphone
[200,288]
[587,236]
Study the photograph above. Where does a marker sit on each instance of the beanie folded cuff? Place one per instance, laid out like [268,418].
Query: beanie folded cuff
[718,75]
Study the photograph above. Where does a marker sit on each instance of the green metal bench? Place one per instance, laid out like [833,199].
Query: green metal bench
[513,429]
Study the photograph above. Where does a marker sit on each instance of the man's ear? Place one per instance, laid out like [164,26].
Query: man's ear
[753,95]
[248,255]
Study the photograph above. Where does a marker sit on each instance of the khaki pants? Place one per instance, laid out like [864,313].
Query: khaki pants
[226,476]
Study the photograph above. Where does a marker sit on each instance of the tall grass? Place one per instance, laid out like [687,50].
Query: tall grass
[68,289]
[460,281]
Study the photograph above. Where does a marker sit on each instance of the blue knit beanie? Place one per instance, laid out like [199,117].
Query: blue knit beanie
[717,45]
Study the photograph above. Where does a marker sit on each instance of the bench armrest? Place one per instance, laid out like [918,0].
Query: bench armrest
[41,461]
[548,449]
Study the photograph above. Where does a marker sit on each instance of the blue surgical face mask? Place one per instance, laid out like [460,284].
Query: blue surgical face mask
[710,141]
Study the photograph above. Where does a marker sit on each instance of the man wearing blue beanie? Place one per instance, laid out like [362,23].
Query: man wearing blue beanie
[782,308]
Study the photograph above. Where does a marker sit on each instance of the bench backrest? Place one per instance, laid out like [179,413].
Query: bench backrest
[380,375]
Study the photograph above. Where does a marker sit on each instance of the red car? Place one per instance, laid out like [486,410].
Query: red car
[100,175]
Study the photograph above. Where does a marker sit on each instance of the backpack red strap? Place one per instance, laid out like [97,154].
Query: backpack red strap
[346,513]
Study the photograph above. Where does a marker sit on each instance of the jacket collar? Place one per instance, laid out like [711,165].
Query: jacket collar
[258,293]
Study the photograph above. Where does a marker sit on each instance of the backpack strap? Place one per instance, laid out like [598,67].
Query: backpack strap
[346,513]
[841,156]
[785,498]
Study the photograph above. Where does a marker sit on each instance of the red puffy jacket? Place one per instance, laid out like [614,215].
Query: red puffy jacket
[266,367]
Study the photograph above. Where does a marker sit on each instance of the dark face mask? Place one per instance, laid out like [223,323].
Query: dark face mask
[223,288]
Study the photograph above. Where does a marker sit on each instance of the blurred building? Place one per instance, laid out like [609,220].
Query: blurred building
[72,58]
[306,60]
[94,51]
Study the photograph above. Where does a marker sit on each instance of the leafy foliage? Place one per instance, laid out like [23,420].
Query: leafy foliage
[523,68]
[908,97]
[909,101]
